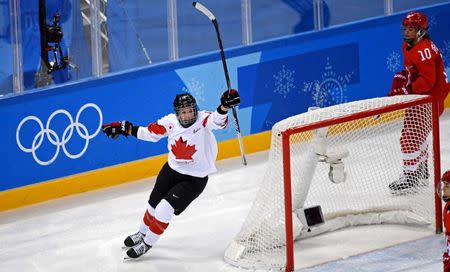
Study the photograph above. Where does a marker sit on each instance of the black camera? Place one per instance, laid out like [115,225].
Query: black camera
[52,55]
[54,31]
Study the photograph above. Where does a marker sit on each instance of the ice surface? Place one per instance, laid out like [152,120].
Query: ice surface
[85,232]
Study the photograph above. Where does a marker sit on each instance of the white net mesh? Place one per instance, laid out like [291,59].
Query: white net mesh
[375,191]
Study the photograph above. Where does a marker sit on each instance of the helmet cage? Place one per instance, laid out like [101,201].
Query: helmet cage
[184,101]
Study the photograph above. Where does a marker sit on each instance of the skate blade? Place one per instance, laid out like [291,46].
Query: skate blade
[404,192]
[420,187]
[127,258]
[408,191]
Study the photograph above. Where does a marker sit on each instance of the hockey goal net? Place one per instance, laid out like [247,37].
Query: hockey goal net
[364,139]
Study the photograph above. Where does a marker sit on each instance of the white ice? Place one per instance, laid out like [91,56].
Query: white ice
[85,232]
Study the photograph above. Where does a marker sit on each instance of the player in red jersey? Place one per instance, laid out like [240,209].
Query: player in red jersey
[444,193]
[192,154]
[423,74]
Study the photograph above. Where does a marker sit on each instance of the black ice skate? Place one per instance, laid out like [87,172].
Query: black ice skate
[137,250]
[411,182]
[134,239]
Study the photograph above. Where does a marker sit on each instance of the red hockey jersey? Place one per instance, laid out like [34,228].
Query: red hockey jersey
[425,70]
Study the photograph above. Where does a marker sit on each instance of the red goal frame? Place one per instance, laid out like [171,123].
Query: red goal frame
[373,112]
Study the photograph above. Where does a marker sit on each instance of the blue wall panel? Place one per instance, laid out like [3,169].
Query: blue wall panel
[276,79]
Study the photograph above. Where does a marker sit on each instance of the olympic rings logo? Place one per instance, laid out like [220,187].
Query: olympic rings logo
[54,138]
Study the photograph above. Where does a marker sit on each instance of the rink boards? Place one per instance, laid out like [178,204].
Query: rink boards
[52,137]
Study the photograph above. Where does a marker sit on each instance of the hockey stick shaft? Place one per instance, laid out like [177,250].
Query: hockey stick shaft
[213,19]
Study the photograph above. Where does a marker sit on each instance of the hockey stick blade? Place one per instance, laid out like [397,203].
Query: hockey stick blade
[204,10]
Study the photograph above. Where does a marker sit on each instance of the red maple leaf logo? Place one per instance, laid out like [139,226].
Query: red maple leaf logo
[182,150]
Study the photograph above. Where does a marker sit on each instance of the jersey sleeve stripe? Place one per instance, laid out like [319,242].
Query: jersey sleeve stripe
[156,129]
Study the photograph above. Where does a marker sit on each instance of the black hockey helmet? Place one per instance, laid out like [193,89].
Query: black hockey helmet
[182,101]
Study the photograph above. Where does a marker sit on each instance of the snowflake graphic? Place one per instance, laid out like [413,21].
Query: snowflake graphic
[196,88]
[284,81]
[446,52]
[330,90]
[393,63]
[431,22]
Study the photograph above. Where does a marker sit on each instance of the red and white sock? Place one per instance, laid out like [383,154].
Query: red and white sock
[148,217]
[157,224]
[412,158]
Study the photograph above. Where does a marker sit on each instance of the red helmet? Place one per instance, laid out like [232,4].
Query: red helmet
[416,19]
[443,188]
[446,176]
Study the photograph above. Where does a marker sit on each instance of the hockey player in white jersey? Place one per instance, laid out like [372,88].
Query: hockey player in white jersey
[192,155]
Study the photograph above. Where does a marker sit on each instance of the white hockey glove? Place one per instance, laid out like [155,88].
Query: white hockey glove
[336,174]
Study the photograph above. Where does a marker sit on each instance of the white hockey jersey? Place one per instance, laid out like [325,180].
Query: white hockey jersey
[192,150]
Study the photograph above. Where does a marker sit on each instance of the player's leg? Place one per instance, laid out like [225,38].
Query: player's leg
[164,182]
[156,226]
[175,201]
[414,152]
[167,178]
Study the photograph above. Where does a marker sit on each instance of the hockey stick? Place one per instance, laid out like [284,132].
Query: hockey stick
[213,19]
